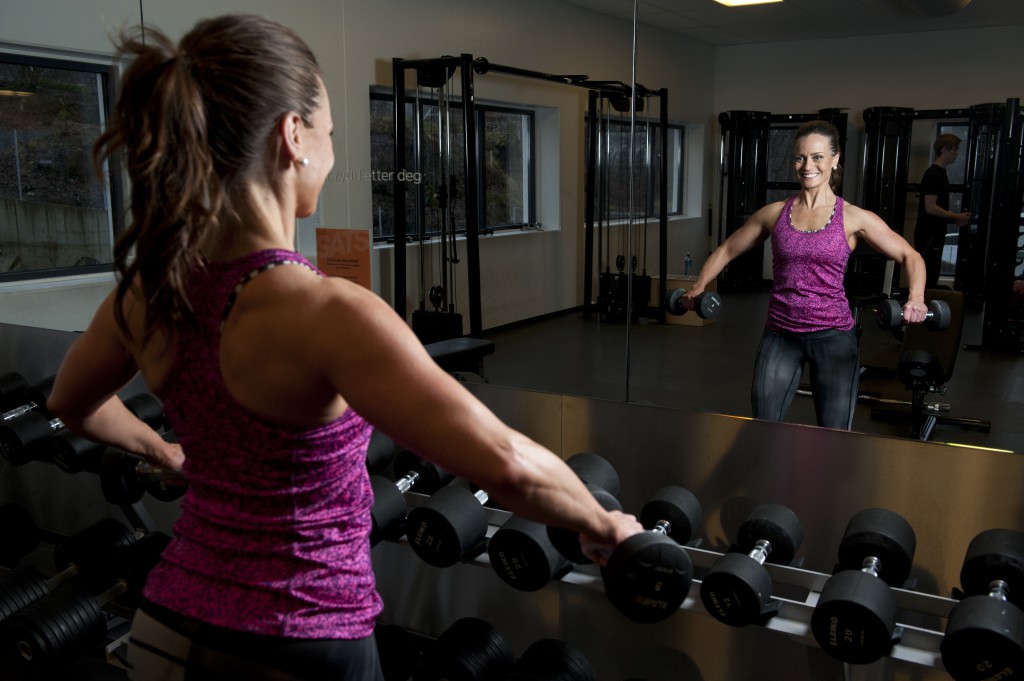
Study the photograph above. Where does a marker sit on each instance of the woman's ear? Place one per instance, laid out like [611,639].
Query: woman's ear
[290,130]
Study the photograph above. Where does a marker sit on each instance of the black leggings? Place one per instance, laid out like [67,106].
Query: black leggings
[165,646]
[834,363]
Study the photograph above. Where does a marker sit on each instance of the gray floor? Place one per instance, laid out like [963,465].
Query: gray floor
[708,368]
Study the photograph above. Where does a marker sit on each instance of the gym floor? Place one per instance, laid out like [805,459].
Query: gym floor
[708,368]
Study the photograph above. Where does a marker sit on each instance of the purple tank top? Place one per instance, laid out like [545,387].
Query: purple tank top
[273,536]
[807,291]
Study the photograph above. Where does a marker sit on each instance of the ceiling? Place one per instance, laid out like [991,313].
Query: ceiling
[708,22]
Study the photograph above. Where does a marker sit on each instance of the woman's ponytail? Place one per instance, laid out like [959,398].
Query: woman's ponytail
[193,121]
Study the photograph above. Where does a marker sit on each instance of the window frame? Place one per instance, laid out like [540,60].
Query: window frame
[678,188]
[482,108]
[107,72]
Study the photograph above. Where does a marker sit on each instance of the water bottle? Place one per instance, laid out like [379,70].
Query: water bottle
[687,264]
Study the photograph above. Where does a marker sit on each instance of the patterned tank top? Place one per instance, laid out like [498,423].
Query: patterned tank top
[273,535]
[807,291]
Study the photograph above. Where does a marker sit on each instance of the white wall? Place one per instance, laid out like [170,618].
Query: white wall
[355,40]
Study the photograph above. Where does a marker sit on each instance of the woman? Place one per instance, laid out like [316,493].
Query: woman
[809,318]
[267,370]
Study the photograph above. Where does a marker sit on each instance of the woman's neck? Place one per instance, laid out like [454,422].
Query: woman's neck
[262,222]
[816,197]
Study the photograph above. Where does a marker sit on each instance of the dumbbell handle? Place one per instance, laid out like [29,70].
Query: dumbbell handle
[762,549]
[18,411]
[927,315]
[119,587]
[55,424]
[662,527]
[407,481]
[999,590]
[148,471]
[872,566]
[64,575]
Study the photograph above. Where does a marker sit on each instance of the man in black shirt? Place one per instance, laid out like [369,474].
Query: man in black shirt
[933,213]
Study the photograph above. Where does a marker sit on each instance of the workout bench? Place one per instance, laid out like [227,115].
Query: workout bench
[926,364]
[457,355]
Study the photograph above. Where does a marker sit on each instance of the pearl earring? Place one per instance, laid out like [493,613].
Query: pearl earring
[305,161]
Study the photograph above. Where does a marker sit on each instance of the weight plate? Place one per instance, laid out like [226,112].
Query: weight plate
[648,577]
[778,525]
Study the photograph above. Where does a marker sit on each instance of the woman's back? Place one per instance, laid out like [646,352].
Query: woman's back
[273,528]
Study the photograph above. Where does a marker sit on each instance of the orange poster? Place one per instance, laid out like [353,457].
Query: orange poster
[344,253]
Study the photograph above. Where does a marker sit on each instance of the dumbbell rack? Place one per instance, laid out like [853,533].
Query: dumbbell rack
[799,589]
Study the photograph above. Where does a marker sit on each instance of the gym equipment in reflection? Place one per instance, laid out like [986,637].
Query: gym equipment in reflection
[756,169]
[989,184]
[439,120]
[456,192]
[927,357]
[626,155]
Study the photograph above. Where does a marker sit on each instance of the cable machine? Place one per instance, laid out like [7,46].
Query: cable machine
[756,168]
[988,248]
[437,195]
[438,77]
[607,217]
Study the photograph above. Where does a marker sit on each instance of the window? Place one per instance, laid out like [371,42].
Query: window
[55,216]
[505,163]
[647,152]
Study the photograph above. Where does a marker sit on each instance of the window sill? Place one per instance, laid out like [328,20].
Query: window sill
[70,281]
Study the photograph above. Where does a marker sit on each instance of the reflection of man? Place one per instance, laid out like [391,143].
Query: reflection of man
[933,209]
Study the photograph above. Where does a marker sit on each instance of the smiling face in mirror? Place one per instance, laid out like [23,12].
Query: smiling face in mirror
[814,160]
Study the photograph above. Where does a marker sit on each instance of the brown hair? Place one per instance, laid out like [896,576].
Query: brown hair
[826,129]
[194,122]
[946,141]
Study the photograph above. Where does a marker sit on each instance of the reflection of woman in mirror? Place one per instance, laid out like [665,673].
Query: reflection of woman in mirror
[809,318]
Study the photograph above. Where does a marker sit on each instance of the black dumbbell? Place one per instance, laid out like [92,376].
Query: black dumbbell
[855,617]
[737,589]
[73,453]
[380,452]
[25,437]
[471,649]
[889,315]
[30,397]
[85,556]
[21,435]
[601,479]
[450,526]
[19,535]
[523,556]
[389,508]
[550,659]
[707,305]
[12,390]
[985,631]
[126,478]
[648,575]
[28,423]
[70,622]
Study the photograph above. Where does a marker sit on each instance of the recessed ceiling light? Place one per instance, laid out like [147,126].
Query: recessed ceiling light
[738,3]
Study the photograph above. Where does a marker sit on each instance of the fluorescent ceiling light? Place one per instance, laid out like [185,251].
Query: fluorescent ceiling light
[738,3]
